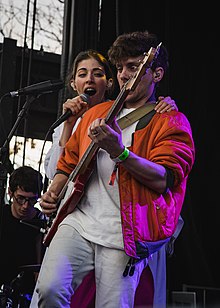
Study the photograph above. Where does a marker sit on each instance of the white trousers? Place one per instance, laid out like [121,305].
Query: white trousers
[69,258]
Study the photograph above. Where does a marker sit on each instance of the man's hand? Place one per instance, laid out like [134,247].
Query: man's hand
[48,203]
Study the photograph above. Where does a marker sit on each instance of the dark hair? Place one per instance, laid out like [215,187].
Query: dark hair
[87,54]
[135,44]
[27,178]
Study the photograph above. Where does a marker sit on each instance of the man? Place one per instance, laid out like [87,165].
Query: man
[20,236]
[115,228]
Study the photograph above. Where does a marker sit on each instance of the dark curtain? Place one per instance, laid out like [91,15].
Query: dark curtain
[190,33]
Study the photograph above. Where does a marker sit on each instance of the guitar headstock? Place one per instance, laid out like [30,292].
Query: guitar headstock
[146,63]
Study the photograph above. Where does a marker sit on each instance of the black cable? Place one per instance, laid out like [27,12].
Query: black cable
[45,184]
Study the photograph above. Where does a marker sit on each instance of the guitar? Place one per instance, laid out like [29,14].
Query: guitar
[73,189]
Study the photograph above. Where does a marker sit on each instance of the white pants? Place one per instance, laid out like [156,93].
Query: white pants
[70,258]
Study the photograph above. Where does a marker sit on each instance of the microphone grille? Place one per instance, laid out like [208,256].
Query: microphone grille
[85,97]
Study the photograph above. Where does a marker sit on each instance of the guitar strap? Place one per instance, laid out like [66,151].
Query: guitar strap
[135,115]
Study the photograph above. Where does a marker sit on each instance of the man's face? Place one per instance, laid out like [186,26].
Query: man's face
[126,69]
[23,204]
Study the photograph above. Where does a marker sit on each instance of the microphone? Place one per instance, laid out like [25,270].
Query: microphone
[37,88]
[68,113]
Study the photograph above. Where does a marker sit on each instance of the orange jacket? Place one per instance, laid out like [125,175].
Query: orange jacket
[146,215]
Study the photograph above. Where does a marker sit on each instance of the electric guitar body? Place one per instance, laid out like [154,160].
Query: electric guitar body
[68,200]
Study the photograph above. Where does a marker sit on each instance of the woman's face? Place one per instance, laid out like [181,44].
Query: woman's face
[90,79]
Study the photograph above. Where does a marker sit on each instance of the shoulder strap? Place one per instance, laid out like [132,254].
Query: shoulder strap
[135,115]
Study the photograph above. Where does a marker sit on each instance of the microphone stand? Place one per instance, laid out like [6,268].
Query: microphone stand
[5,164]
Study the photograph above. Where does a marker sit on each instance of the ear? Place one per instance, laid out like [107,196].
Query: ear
[158,74]
[10,192]
[109,83]
[72,83]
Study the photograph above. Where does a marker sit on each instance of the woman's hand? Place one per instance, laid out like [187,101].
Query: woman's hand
[77,106]
[165,104]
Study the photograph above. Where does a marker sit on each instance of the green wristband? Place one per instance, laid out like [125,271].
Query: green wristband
[122,157]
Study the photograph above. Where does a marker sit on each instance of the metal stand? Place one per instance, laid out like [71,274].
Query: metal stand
[5,164]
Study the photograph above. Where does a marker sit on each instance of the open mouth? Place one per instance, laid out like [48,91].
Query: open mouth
[90,91]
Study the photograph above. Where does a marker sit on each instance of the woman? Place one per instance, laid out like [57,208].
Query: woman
[90,74]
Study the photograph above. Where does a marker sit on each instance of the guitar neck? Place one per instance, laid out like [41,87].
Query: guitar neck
[130,85]
[117,105]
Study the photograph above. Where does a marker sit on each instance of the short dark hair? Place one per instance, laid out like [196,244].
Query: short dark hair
[27,178]
[135,44]
[87,54]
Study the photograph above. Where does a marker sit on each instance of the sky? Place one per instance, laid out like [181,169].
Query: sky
[48,24]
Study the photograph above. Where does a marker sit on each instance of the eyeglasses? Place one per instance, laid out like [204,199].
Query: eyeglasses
[22,200]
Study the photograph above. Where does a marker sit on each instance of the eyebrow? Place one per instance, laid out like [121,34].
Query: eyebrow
[136,61]
[94,69]
[33,197]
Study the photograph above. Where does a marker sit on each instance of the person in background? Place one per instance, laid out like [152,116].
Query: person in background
[156,180]
[20,236]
